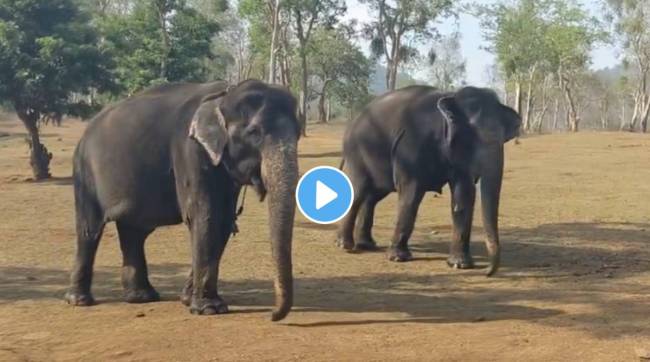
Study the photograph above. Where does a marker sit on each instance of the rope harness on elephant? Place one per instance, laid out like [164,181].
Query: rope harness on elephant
[238,211]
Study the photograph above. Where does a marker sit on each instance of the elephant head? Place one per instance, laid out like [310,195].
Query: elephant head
[478,126]
[494,122]
[253,131]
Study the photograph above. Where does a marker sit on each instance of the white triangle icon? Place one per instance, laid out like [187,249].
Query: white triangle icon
[324,195]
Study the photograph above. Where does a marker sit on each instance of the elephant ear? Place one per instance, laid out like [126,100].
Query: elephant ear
[511,123]
[208,127]
[454,118]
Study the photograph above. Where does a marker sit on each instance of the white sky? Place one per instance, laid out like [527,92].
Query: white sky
[472,41]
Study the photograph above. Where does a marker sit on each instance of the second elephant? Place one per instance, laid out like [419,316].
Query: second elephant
[418,139]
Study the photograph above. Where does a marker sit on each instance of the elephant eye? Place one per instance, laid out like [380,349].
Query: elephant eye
[473,106]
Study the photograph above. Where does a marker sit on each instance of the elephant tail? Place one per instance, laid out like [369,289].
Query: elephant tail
[342,163]
[89,217]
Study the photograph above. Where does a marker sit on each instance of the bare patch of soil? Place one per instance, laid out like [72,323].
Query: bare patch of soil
[575,283]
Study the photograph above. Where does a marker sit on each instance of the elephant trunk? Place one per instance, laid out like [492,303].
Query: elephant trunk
[280,175]
[491,177]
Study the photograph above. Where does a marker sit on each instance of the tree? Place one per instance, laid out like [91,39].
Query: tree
[448,68]
[159,41]
[233,46]
[533,39]
[275,33]
[106,7]
[267,22]
[341,67]
[632,23]
[400,26]
[306,15]
[515,32]
[571,37]
[48,52]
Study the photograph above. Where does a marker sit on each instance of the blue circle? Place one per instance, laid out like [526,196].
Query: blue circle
[335,191]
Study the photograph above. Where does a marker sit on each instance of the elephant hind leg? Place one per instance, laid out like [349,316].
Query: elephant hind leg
[89,226]
[363,237]
[346,231]
[135,279]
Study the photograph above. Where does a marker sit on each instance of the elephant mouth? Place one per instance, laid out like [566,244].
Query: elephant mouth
[489,137]
[249,176]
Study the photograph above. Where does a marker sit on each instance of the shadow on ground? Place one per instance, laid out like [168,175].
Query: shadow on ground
[320,155]
[569,257]
[55,180]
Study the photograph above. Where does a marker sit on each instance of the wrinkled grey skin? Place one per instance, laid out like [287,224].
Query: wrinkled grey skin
[180,153]
[418,139]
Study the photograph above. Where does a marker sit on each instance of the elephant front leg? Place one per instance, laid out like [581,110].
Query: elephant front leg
[345,236]
[409,203]
[200,291]
[462,211]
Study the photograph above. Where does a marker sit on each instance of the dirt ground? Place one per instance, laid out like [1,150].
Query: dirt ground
[575,284]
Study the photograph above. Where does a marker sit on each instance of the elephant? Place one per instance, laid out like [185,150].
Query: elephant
[418,139]
[179,153]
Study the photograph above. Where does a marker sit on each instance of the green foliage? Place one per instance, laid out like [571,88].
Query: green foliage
[448,66]
[414,20]
[632,23]
[258,16]
[316,12]
[539,34]
[48,51]
[516,34]
[148,52]
[342,68]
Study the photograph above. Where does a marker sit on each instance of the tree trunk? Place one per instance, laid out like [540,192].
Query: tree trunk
[166,42]
[39,157]
[556,113]
[622,121]
[322,111]
[573,121]
[529,100]
[303,90]
[604,114]
[529,109]
[644,115]
[285,66]
[328,116]
[631,125]
[274,38]
[391,77]
[518,105]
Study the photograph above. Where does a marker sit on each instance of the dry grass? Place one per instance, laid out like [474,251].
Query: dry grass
[575,285]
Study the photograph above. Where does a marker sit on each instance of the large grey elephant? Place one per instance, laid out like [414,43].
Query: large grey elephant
[179,153]
[418,139]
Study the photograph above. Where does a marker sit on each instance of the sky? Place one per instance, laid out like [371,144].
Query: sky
[477,59]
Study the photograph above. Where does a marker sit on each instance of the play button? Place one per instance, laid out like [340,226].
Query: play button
[324,195]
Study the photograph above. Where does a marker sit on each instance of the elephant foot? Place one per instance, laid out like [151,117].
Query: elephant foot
[79,299]
[399,254]
[144,295]
[186,298]
[463,261]
[347,245]
[366,245]
[208,306]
